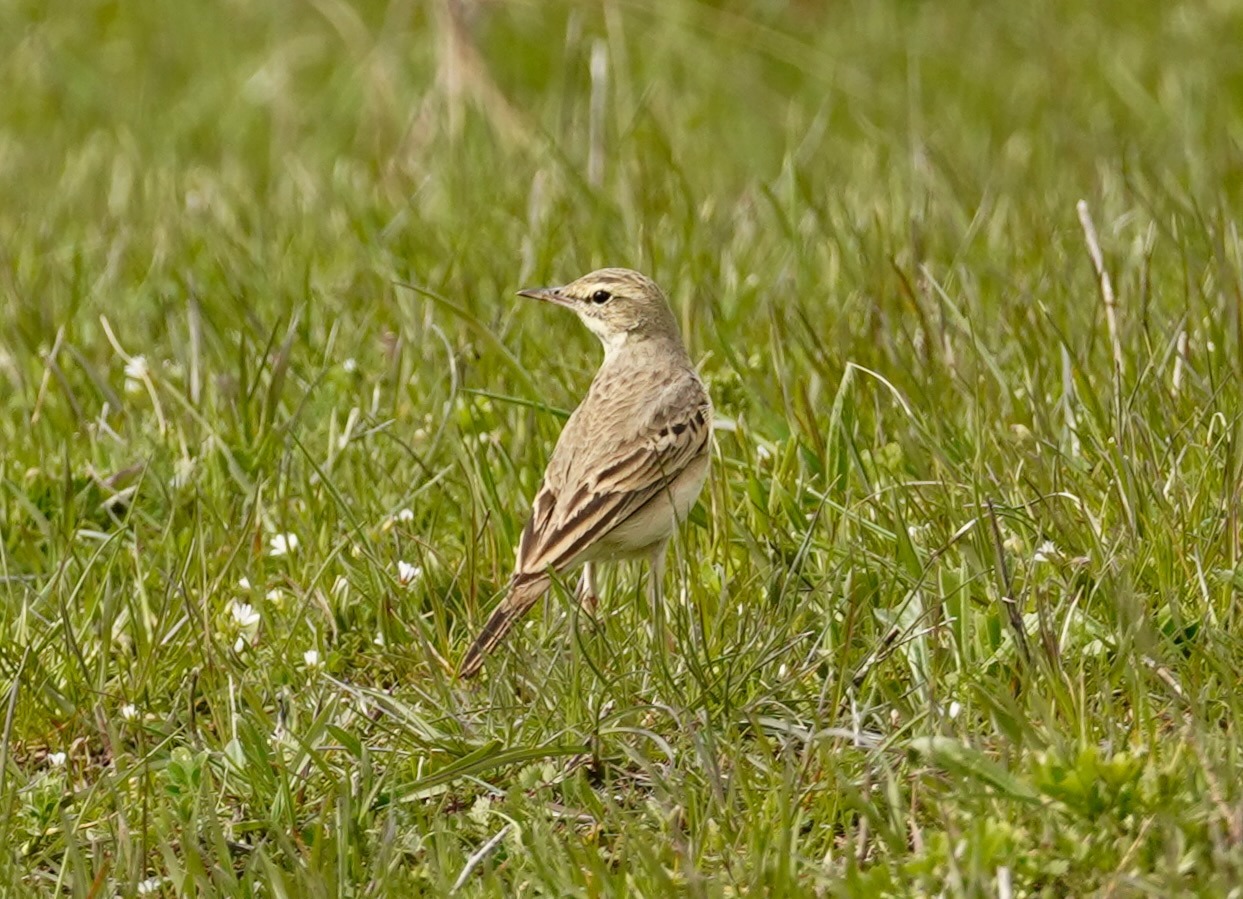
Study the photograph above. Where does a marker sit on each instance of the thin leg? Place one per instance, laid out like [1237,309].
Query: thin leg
[586,591]
[655,593]
[656,576]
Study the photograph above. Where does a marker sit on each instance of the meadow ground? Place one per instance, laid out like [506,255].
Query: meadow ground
[958,614]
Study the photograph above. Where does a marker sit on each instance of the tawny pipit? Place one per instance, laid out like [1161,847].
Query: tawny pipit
[631,460]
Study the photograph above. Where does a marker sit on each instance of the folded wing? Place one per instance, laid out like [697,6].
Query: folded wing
[592,487]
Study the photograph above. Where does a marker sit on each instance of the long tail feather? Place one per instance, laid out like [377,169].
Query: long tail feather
[516,603]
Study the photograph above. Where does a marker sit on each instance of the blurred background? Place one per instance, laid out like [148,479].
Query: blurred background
[651,133]
[270,412]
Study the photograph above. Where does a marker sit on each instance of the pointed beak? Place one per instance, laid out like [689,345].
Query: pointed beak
[548,295]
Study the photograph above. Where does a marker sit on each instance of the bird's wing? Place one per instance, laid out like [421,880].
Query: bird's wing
[592,486]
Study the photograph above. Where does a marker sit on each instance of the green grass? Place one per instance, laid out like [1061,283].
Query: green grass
[309,221]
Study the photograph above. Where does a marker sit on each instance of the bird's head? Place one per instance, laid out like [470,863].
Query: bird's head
[617,304]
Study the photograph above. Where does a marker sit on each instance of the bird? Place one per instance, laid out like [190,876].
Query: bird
[631,460]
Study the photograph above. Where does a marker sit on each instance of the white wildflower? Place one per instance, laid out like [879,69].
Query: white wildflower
[379,639]
[407,573]
[135,373]
[282,544]
[350,365]
[1047,552]
[245,615]
[340,586]
[955,709]
[311,657]
[243,583]
[405,515]
[149,886]
[129,711]
[56,759]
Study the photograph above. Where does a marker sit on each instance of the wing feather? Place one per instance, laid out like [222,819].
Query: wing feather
[598,486]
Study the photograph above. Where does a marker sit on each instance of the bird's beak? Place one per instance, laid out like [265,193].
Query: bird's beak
[548,295]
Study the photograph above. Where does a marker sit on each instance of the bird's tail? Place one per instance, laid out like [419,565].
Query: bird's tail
[521,596]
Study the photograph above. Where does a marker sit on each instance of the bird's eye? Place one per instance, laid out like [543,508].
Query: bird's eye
[601,296]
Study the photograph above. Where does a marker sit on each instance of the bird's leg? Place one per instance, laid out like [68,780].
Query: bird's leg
[586,591]
[655,593]
[656,577]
